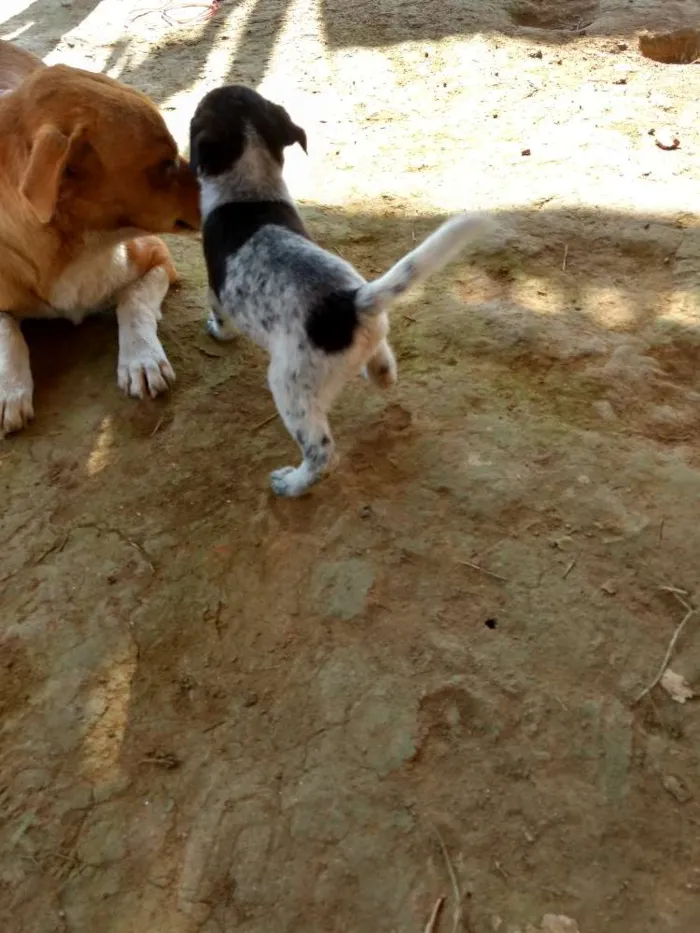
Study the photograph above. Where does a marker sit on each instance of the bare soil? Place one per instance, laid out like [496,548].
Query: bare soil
[224,712]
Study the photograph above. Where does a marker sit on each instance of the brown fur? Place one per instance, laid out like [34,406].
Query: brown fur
[86,166]
[15,65]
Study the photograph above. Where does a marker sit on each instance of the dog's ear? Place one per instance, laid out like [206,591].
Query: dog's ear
[300,137]
[290,132]
[42,177]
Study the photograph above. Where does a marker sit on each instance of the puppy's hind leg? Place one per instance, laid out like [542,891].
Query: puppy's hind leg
[301,409]
[381,367]
[218,325]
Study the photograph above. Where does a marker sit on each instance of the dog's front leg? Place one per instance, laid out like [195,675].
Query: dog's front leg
[143,366]
[16,385]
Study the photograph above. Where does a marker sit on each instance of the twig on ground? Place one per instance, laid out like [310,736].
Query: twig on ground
[209,8]
[157,427]
[566,253]
[56,546]
[489,573]
[689,613]
[261,424]
[661,530]
[569,569]
[205,351]
[142,554]
[430,925]
[679,594]
[214,725]
[457,909]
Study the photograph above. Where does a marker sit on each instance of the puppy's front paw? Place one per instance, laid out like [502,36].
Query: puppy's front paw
[289,481]
[146,371]
[219,329]
[16,407]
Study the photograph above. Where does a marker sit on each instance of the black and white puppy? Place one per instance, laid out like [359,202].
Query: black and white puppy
[319,320]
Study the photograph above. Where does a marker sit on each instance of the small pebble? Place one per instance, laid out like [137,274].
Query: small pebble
[525,152]
[676,788]
[609,587]
[605,410]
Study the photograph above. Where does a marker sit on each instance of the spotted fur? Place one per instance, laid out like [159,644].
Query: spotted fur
[319,320]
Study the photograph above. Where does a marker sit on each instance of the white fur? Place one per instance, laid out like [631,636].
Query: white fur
[100,277]
[263,298]
[143,366]
[445,244]
[16,386]
[90,282]
[317,317]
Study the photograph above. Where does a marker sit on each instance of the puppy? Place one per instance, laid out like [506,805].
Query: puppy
[319,320]
[87,166]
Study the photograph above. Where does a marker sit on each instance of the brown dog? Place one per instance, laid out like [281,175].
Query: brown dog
[87,166]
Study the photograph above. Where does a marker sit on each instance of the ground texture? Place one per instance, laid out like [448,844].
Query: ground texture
[224,712]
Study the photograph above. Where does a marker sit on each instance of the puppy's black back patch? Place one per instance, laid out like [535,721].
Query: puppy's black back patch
[230,226]
[332,322]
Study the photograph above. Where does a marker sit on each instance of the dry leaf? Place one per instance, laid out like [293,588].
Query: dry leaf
[665,139]
[676,686]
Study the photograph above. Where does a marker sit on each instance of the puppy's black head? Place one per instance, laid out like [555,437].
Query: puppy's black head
[218,128]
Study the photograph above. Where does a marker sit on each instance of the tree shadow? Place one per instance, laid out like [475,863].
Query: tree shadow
[180,61]
[368,24]
[156,750]
[559,288]
[177,64]
[41,25]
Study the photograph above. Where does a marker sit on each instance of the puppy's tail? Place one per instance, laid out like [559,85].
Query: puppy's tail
[432,254]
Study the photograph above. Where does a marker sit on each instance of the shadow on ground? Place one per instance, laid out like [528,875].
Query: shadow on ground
[222,711]
[186,60]
[185,52]
[562,286]
[374,25]
[40,26]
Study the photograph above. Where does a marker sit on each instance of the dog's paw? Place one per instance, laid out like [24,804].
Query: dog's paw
[147,372]
[16,408]
[384,377]
[219,329]
[382,369]
[290,482]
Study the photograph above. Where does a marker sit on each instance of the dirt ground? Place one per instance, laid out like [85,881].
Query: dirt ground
[224,712]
